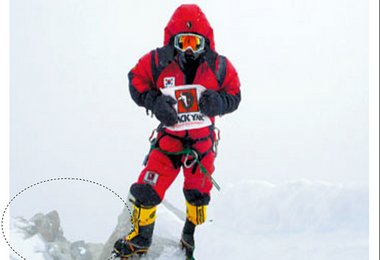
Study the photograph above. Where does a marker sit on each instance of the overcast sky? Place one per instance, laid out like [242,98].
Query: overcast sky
[303,66]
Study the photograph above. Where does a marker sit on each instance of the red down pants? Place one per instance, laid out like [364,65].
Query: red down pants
[161,169]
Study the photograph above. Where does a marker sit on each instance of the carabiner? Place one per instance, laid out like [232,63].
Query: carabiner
[194,154]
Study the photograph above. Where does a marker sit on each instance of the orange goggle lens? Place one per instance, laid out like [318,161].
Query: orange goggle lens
[183,42]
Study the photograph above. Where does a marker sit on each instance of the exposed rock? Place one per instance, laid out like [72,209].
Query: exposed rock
[79,251]
[55,246]
[48,225]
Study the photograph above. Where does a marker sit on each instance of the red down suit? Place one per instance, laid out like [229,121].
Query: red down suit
[214,72]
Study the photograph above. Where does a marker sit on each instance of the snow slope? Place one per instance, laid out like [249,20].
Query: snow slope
[258,220]
[295,220]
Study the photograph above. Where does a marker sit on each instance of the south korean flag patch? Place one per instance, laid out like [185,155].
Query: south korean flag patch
[169,82]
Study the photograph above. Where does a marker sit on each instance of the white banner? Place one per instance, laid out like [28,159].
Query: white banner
[187,107]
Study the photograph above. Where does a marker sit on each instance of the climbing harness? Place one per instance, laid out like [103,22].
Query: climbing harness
[192,157]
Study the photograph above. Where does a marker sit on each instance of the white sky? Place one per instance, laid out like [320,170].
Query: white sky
[303,65]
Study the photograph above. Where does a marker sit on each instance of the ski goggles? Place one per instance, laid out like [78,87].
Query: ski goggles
[189,41]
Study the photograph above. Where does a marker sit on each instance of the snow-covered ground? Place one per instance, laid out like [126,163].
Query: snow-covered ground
[294,220]
[32,247]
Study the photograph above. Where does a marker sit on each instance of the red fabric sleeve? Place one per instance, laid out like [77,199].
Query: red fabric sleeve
[231,83]
[141,75]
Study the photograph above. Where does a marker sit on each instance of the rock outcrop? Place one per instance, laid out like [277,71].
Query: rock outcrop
[46,232]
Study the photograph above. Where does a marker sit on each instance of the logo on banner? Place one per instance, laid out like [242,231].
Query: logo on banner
[187,100]
[151,178]
[169,82]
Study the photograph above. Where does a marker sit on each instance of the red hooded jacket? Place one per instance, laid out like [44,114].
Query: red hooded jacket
[214,72]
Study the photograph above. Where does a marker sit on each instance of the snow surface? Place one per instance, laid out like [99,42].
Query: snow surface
[30,247]
[258,220]
[295,220]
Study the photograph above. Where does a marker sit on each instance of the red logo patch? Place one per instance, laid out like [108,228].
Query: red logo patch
[187,100]
[151,178]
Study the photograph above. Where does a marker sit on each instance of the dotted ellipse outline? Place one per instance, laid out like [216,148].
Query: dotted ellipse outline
[51,180]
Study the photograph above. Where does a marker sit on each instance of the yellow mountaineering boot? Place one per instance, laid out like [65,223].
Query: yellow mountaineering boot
[138,241]
[195,215]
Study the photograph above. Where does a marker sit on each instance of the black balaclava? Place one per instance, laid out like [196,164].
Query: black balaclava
[189,65]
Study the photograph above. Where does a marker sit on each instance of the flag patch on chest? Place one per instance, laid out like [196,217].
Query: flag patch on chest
[169,82]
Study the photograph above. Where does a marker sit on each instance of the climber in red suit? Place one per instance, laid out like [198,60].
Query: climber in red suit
[188,57]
